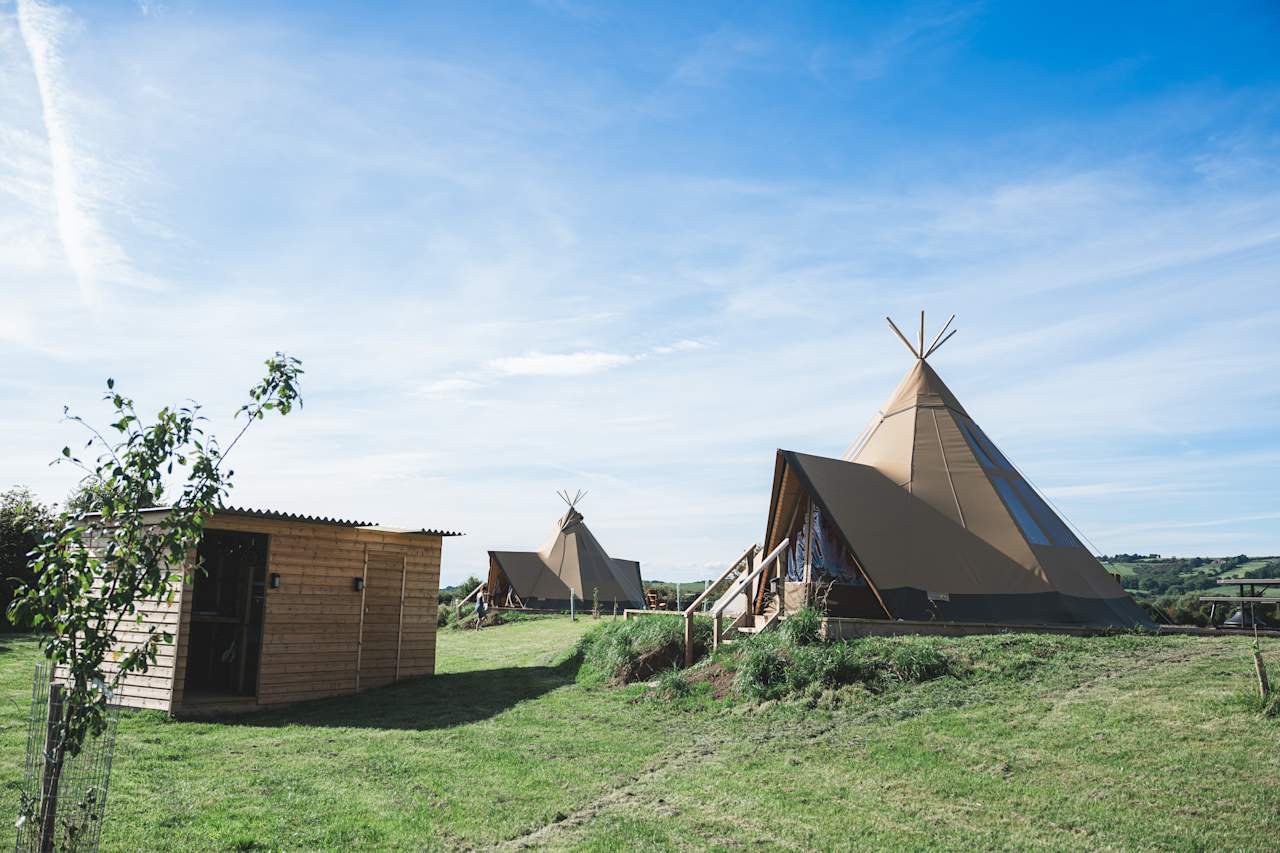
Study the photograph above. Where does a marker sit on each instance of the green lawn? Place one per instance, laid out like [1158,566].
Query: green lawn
[1122,742]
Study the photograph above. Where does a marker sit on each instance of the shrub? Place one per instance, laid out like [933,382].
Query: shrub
[762,672]
[803,627]
[774,667]
[22,519]
[636,649]
[671,684]
[1249,700]
[1187,609]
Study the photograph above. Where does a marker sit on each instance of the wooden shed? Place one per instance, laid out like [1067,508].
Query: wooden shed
[290,608]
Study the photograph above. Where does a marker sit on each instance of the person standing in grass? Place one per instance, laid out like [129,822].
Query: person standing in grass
[482,605]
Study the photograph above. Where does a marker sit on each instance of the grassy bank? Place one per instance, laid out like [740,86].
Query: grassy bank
[1059,742]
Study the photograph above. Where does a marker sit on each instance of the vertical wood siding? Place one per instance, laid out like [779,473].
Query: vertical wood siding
[312,645]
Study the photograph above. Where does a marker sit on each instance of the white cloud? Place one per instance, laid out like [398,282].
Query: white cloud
[679,346]
[448,387]
[560,364]
[889,47]
[1097,489]
[718,55]
[44,27]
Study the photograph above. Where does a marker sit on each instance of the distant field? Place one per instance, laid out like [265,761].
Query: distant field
[1108,742]
[1152,578]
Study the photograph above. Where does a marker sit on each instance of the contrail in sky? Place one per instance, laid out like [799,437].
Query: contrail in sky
[42,27]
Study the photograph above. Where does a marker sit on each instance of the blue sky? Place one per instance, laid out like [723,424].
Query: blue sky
[635,248]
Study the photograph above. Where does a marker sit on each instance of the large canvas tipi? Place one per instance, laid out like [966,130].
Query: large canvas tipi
[571,559]
[925,519]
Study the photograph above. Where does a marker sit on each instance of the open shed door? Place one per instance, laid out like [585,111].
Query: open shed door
[380,622]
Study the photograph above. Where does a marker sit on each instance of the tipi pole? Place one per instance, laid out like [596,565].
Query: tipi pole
[941,332]
[938,346]
[906,343]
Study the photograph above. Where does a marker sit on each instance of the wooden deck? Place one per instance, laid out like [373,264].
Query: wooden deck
[838,628]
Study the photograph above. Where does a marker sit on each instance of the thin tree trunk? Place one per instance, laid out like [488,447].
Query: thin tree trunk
[1264,684]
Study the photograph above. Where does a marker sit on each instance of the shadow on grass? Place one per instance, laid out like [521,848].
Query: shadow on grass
[422,704]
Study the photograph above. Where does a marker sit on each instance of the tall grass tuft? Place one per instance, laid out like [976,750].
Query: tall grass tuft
[776,666]
[762,671]
[637,649]
[803,627]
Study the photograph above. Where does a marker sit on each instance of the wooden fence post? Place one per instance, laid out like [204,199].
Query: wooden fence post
[1264,684]
[55,751]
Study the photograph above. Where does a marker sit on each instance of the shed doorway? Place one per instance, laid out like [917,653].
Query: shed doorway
[380,634]
[224,640]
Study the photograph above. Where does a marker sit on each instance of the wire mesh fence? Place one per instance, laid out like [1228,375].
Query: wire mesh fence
[62,804]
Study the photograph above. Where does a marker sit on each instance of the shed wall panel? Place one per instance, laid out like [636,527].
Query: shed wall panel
[311,645]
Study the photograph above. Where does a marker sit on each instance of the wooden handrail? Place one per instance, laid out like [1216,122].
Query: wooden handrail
[742,587]
[468,598]
[737,589]
[693,607]
[746,555]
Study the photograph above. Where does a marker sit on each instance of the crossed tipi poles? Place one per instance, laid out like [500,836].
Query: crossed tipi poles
[575,500]
[919,350]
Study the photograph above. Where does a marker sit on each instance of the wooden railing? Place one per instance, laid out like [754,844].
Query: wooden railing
[697,602]
[457,605]
[743,586]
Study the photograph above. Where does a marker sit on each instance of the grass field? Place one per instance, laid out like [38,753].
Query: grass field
[1072,743]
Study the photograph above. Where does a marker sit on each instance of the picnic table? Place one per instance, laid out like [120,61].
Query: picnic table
[1257,594]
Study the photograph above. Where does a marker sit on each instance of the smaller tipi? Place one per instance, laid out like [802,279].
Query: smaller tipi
[571,560]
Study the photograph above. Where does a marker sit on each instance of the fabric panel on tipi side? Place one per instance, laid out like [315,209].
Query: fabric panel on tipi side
[922,387]
[529,576]
[902,541]
[629,578]
[1064,562]
[888,449]
[985,514]
[596,569]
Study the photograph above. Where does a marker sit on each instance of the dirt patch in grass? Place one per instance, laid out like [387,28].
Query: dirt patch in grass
[714,673]
[649,664]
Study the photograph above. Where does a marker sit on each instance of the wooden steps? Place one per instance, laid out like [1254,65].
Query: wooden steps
[764,621]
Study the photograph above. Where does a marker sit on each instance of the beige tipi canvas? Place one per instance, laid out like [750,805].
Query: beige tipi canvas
[571,559]
[927,513]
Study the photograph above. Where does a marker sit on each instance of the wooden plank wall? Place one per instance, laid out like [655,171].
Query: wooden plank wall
[152,689]
[384,582]
[421,602]
[312,629]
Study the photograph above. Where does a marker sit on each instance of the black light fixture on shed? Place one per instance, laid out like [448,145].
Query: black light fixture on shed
[275,580]
[357,584]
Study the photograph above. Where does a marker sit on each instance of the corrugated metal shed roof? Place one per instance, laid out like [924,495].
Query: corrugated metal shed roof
[429,531]
[279,515]
[340,522]
[291,516]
